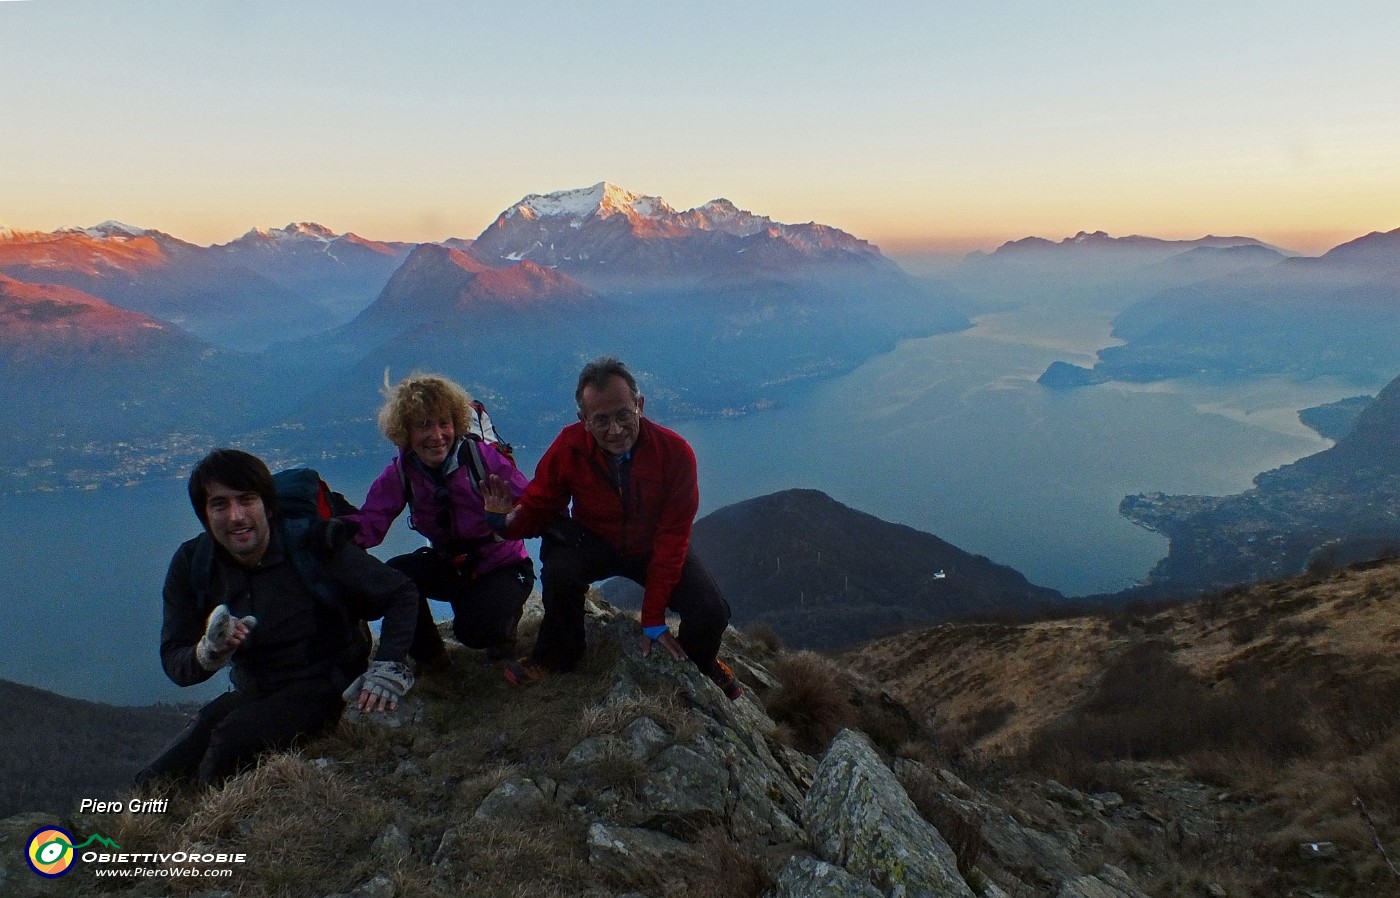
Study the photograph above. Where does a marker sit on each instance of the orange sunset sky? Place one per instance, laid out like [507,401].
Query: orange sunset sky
[931,126]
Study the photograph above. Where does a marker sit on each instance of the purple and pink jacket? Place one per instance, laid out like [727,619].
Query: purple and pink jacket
[447,518]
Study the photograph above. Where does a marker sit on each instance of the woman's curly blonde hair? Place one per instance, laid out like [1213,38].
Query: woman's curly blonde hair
[420,396]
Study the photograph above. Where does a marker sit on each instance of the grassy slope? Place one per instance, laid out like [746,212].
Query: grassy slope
[1283,696]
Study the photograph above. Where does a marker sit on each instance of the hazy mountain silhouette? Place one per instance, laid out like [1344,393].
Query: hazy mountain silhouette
[824,575]
[342,273]
[75,369]
[1092,270]
[1330,316]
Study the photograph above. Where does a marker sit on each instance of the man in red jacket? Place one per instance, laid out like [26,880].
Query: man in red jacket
[632,485]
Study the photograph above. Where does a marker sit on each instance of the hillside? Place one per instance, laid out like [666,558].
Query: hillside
[632,776]
[93,390]
[1213,748]
[823,575]
[1246,723]
[1338,505]
[57,750]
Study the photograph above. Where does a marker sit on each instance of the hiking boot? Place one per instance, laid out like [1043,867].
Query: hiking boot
[724,678]
[523,672]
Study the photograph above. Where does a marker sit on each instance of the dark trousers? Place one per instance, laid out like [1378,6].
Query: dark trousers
[229,733]
[570,565]
[485,609]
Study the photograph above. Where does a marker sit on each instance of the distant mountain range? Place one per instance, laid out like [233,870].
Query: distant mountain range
[286,334]
[1097,271]
[1111,251]
[719,310]
[203,290]
[1334,507]
[606,236]
[823,575]
[1248,312]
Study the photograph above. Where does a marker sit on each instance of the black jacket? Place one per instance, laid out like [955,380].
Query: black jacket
[302,632]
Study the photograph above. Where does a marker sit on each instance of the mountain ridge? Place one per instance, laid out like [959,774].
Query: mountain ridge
[823,575]
[604,235]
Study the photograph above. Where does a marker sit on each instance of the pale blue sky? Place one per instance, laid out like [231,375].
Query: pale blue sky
[944,124]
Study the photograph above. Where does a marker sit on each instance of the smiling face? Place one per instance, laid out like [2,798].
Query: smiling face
[612,415]
[431,437]
[238,522]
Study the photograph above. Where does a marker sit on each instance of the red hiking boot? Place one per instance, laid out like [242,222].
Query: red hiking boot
[724,678]
[523,672]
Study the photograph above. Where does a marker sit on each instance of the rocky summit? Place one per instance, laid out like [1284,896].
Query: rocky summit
[632,776]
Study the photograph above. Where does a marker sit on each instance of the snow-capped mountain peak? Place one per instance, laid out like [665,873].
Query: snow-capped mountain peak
[300,230]
[603,200]
[610,234]
[110,229]
[723,215]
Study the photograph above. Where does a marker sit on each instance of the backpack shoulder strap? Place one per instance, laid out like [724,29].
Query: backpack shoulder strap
[308,567]
[469,457]
[406,487]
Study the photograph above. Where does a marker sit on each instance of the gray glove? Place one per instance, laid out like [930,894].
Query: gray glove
[215,649]
[384,679]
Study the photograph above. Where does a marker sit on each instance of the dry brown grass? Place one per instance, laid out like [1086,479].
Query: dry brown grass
[952,674]
[297,817]
[615,714]
[764,638]
[723,868]
[813,705]
[1285,695]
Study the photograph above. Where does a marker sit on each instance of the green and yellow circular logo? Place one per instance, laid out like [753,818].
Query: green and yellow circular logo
[50,852]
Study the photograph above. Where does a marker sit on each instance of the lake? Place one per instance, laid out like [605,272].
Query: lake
[948,434]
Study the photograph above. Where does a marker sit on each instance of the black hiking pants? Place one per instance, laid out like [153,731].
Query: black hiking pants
[485,609]
[229,733]
[570,565]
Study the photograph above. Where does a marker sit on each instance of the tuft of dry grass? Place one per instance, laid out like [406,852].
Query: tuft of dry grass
[724,868]
[820,697]
[764,638]
[813,704]
[616,714]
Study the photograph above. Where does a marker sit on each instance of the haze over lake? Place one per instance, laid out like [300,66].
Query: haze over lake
[952,435]
[948,434]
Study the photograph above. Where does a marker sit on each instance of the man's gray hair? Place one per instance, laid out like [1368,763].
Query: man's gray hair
[598,372]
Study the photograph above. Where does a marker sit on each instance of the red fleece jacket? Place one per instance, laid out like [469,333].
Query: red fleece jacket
[651,516]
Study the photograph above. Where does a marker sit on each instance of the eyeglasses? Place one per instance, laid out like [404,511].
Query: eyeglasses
[623,418]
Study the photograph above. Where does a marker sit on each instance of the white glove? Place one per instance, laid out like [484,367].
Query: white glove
[386,681]
[216,647]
